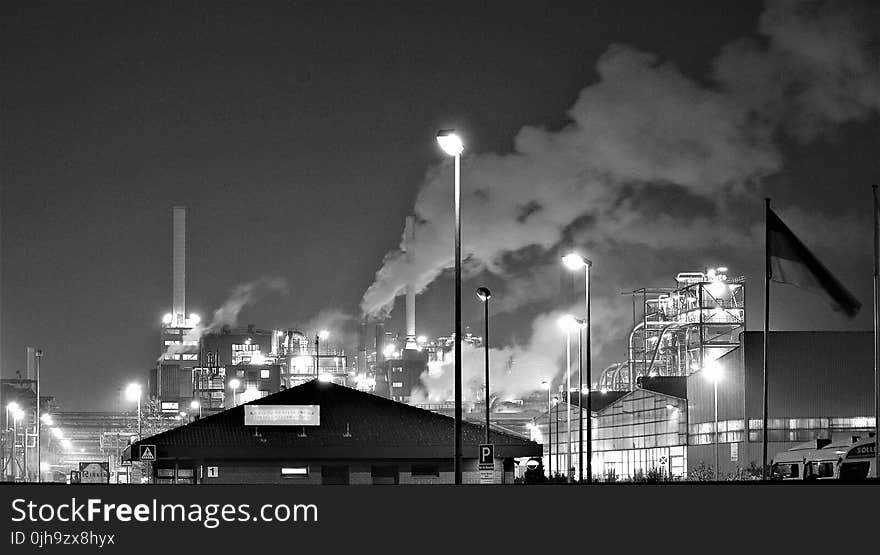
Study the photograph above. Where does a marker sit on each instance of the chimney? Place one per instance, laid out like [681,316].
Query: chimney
[178,305]
[409,244]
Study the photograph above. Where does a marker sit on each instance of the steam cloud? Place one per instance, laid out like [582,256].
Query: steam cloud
[243,295]
[640,134]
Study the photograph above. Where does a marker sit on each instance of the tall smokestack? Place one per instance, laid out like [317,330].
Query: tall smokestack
[178,305]
[409,245]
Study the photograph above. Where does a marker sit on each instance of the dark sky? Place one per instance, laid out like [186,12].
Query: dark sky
[297,134]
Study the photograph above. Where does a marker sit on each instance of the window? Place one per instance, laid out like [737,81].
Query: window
[334,475]
[385,475]
[294,471]
[189,356]
[264,374]
[785,471]
[854,470]
[425,470]
[397,384]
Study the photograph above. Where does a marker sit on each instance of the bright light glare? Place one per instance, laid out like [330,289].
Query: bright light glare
[325,377]
[389,349]
[194,405]
[12,406]
[167,318]
[133,392]
[569,323]
[323,334]
[574,261]
[57,433]
[66,443]
[44,466]
[712,371]
[422,340]
[450,142]
[234,383]
[194,319]
[17,414]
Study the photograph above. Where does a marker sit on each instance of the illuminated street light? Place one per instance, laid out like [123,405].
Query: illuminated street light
[234,384]
[452,144]
[713,373]
[167,318]
[323,334]
[134,393]
[195,405]
[574,262]
[194,319]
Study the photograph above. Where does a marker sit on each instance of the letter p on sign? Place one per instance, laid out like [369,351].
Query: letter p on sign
[487,453]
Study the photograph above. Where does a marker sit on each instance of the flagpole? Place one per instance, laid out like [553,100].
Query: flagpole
[876,332]
[767,275]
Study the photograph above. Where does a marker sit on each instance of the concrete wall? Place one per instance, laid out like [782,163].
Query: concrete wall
[360,473]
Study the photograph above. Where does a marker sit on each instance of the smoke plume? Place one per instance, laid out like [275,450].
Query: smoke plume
[639,138]
[245,294]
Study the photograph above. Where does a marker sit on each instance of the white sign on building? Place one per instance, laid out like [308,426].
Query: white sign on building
[282,415]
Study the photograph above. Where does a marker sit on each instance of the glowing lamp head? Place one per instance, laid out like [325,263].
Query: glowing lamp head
[12,406]
[167,318]
[569,323]
[450,142]
[234,383]
[323,334]
[484,294]
[194,405]
[133,392]
[389,349]
[195,319]
[573,261]
[712,371]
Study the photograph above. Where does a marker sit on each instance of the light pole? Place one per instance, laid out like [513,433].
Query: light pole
[575,262]
[11,407]
[234,384]
[323,334]
[451,143]
[484,294]
[556,404]
[713,374]
[38,354]
[546,384]
[568,323]
[133,393]
[17,415]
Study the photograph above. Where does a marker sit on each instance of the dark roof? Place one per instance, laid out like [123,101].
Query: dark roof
[598,399]
[354,425]
[674,386]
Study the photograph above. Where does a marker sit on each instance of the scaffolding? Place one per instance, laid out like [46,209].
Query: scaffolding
[679,330]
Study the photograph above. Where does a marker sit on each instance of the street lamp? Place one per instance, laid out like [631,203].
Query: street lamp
[133,393]
[713,374]
[484,295]
[234,384]
[321,335]
[568,323]
[574,262]
[195,405]
[38,355]
[451,143]
[546,383]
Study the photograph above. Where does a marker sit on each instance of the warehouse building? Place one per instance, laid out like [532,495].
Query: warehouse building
[324,433]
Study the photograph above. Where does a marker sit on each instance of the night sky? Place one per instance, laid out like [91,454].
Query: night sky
[298,136]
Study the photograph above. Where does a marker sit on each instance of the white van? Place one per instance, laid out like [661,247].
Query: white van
[813,460]
[858,461]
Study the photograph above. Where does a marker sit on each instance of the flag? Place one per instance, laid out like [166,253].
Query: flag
[791,262]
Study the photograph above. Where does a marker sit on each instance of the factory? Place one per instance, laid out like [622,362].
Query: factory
[324,433]
[654,413]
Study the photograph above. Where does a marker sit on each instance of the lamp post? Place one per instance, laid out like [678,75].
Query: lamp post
[11,407]
[546,384]
[234,384]
[568,323]
[133,393]
[713,374]
[575,262]
[323,334]
[484,294]
[17,415]
[451,143]
[556,404]
[38,354]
